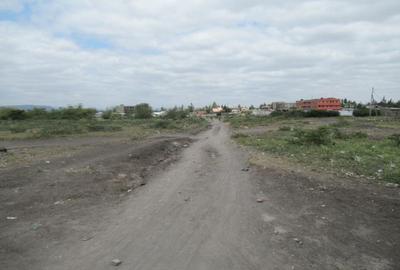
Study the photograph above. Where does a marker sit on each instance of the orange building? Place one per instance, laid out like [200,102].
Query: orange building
[322,104]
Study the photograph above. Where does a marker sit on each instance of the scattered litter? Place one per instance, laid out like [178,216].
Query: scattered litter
[11,218]
[59,202]
[246,169]
[3,149]
[87,238]
[185,145]
[129,190]
[36,226]
[260,200]
[323,205]
[47,161]
[122,175]
[116,262]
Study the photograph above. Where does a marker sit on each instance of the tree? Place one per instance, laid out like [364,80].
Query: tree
[226,109]
[191,107]
[143,111]
[107,114]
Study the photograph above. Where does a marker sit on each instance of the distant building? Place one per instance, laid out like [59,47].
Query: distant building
[346,112]
[322,104]
[159,114]
[390,112]
[123,110]
[283,106]
[129,109]
[217,110]
[260,112]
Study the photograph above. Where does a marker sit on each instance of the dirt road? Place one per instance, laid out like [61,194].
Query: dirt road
[207,211]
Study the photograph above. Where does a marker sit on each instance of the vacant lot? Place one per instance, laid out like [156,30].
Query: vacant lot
[135,128]
[59,177]
[366,148]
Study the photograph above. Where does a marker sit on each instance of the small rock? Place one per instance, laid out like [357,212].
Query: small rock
[116,262]
[392,185]
[298,241]
[246,169]
[11,218]
[186,199]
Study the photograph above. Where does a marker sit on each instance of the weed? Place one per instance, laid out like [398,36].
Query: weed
[285,128]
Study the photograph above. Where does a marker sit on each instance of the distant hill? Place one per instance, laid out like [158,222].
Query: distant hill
[28,107]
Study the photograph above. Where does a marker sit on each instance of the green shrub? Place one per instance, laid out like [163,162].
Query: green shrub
[104,128]
[12,114]
[239,135]
[176,113]
[320,113]
[50,131]
[395,138]
[143,111]
[17,129]
[363,112]
[163,124]
[319,136]
[285,128]
[358,135]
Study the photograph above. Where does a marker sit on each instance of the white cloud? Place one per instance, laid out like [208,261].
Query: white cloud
[102,53]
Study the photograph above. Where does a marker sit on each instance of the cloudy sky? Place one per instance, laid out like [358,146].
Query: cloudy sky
[165,52]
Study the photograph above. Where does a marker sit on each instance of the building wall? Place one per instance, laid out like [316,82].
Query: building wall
[283,106]
[323,104]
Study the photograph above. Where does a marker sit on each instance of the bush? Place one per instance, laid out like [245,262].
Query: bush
[319,136]
[319,113]
[358,135]
[395,138]
[163,124]
[18,129]
[285,128]
[143,111]
[176,113]
[104,128]
[239,135]
[12,114]
[312,113]
[72,113]
[364,112]
[60,130]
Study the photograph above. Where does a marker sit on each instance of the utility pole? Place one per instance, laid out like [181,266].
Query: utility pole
[371,102]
